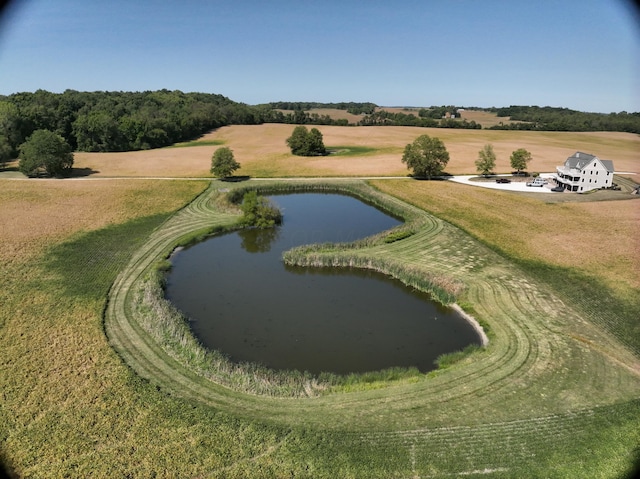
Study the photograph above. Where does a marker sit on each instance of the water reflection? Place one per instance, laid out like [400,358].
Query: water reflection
[246,303]
[257,240]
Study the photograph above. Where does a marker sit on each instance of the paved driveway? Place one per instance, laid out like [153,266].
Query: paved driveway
[516,185]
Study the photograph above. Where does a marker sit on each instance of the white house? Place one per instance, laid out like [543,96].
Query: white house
[583,172]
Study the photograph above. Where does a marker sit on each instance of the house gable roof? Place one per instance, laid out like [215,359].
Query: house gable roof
[579,160]
[608,164]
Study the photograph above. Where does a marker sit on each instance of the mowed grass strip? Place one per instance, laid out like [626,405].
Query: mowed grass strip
[71,408]
[531,368]
[585,251]
[528,350]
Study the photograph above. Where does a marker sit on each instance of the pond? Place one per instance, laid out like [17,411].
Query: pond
[242,299]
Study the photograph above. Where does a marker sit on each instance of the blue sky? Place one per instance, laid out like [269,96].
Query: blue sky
[580,54]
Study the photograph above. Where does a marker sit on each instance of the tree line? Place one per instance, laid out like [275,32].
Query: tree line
[377,118]
[563,119]
[123,121]
[355,108]
[387,118]
[427,157]
[118,121]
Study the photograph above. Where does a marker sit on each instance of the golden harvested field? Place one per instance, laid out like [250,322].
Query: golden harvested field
[38,212]
[486,118]
[163,162]
[262,152]
[335,114]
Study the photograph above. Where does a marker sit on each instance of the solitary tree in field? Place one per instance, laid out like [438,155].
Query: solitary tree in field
[426,156]
[45,152]
[519,159]
[223,164]
[315,143]
[298,140]
[486,161]
[306,143]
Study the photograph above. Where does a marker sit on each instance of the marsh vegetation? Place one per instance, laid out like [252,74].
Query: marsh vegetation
[243,301]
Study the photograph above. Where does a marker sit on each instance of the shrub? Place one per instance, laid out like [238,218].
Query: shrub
[259,212]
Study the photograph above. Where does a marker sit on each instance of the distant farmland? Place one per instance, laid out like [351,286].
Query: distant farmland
[262,152]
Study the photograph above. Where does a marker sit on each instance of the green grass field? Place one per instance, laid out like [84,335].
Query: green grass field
[556,393]
[187,144]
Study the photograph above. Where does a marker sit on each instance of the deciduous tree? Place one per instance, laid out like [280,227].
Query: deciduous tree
[316,145]
[519,159]
[6,152]
[426,156]
[306,143]
[45,152]
[223,163]
[486,161]
[258,211]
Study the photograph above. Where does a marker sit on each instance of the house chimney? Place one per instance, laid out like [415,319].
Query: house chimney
[577,154]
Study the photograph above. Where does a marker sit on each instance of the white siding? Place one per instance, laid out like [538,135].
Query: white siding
[595,175]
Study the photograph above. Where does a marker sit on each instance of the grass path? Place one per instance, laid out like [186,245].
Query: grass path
[547,375]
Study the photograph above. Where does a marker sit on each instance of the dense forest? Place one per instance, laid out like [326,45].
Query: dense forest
[118,121]
[124,121]
[563,119]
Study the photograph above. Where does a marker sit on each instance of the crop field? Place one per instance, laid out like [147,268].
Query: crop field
[89,389]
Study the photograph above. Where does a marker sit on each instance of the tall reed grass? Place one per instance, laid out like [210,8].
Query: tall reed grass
[169,328]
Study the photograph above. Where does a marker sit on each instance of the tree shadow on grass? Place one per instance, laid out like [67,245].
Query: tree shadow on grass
[235,179]
[5,469]
[82,172]
[441,177]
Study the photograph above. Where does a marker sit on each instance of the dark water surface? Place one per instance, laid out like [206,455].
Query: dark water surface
[244,302]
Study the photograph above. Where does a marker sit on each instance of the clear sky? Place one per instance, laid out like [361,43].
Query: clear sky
[580,54]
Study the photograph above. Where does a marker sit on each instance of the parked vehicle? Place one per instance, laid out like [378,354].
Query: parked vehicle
[537,182]
[503,180]
[558,188]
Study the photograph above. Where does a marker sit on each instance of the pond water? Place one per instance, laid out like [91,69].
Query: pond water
[242,299]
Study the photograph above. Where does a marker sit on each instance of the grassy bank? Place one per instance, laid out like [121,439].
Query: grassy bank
[585,252]
[552,396]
